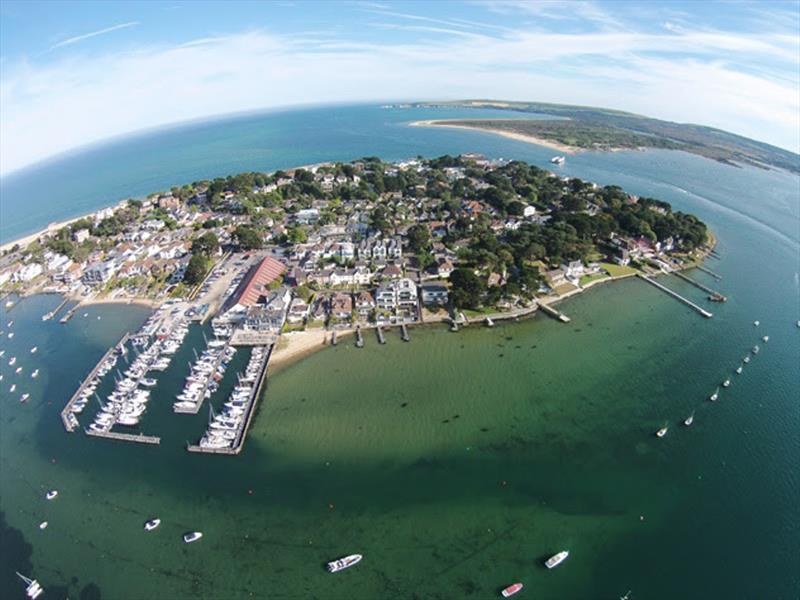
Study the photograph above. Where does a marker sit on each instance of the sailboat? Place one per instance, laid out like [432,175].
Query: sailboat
[689,420]
[765,338]
[33,589]
[713,397]
[726,383]
[662,432]
[739,370]
[746,359]
[756,323]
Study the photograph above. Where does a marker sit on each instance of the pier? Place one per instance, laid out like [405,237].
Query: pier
[68,315]
[404,333]
[710,272]
[71,424]
[359,338]
[554,313]
[241,436]
[379,333]
[699,285]
[55,311]
[189,411]
[334,341]
[676,295]
[139,438]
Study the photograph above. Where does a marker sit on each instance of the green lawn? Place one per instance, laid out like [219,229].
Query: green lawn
[616,270]
[593,277]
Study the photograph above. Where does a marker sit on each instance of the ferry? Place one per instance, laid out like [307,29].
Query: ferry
[511,590]
[192,536]
[52,494]
[726,383]
[713,397]
[153,523]
[558,160]
[33,589]
[25,396]
[556,559]
[765,338]
[689,420]
[344,563]
[662,432]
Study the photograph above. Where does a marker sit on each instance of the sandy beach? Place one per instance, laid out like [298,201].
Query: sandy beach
[294,345]
[507,134]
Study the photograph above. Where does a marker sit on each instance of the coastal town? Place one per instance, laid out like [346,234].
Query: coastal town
[369,243]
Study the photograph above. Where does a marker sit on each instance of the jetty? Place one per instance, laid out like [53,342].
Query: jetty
[719,297]
[676,295]
[55,311]
[241,435]
[68,315]
[554,313]
[139,438]
[202,396]
[334,341]
[404,333]
[70,424]
[359,338]
[710,272]
[379,333]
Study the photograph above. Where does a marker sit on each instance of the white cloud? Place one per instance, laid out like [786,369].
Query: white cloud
[676,75]
[86,36]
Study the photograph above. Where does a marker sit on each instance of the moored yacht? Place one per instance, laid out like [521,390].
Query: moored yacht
[13,387]
[765,339]
[25,397]
[344,563]
[152,524]
[558,160]
[43,525]
[689,420]
[511,590]
[33,589]
[34,349]
[662,432]
[726,383]
[746,359]
[756,349]
[51,494]
[713,397]
[192,536]
[739,370]
[756,323]
[35,374]
[13,361]
[556,559]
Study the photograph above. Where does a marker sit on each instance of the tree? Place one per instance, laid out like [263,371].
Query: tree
[297,235]
[247,237]
[467,290]
[196,269]
[418,238]
[207,244]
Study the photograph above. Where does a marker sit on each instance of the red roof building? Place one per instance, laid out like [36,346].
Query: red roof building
[255,285]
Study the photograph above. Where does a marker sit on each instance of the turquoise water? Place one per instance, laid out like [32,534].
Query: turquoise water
[454,463]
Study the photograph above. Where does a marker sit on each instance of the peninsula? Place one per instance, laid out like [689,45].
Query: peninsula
[335,247]
[577,128]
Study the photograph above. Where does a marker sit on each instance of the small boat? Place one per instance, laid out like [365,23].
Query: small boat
[2,352]
[25,396]
[33,589]
[85,314]
[10,323]
[765,338]
[192,536]
[344,563]
[153,523]
[756,323]
[756,349]
[662,432]
[35,374]
[13,387]
[10,334]
[713,397]
[746,359]
[51,494]
[34,349]
[739,370]
[18,370]
[556,559]
[726,383]
[489,322]
[511,590]
[12,362]
[558,160]
[689,420]
[43,525]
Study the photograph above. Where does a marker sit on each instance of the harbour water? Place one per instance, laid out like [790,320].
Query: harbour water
[455,463]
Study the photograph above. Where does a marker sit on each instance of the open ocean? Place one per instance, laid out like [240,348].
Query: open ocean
[455,463]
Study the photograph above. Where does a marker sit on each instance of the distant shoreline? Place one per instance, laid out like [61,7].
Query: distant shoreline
[529,139]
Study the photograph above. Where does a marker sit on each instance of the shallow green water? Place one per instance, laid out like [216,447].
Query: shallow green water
[455,463]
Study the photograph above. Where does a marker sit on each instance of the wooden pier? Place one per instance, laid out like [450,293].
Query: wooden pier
[139,438]
[710,272]
[404,333]
[687,302]
[334,341]
[379,333]
[699,285]
[189,411]
[241,436]
[359,338]
[67,410]
[554,313]
[68,315]
[55,311]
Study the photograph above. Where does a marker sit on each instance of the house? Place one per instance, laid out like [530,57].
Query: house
[444,267]
[555,278]
[99,272]
[298,311]
[494,280]
[400,293]
[391,271]
[271,314]
[307,216]
[28,272]
[529,211]
[434,293]
[340,305]
[364,304]
[573,269]
[81,235]
[169,202]
[623,258]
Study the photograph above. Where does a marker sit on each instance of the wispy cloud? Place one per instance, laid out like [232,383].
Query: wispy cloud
[86,36]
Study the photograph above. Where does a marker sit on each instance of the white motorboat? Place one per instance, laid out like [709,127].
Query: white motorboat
[713,397]
[726,383]
[689,420]
[756,323]
[662,432]
[739,370]
[558,160]
[765,339]
[33,589]
[556,559]
[13,387]
[52,494]
[35,374]
[13,361]
[192,536]
[746,359]
[34,349]
[24,397]
[43,525]
[344,563]
[152,524]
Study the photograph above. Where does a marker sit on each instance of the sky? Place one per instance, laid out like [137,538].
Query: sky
[74,73]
